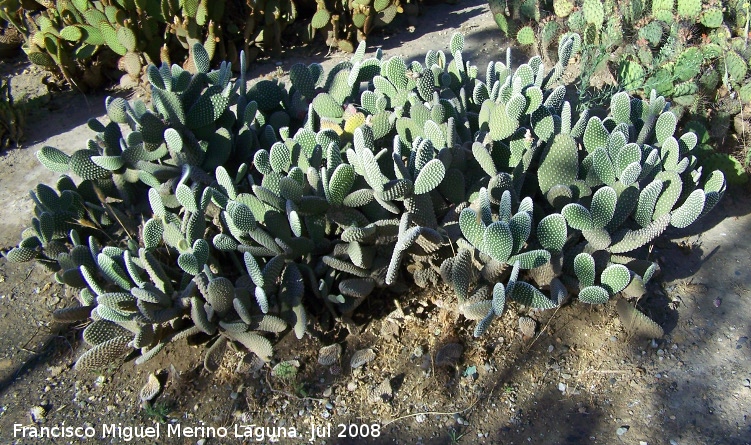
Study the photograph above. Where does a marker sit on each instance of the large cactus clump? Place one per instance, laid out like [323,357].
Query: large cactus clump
[693,52]
[235,214]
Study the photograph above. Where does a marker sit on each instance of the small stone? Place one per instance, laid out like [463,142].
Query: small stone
[717,302]
[417,352]
[420,418]
[37,413]
[381,393]
[327,392]
[329,355]
[362,357]
[527,326]
[201,442]
[562,387]
[151,388]
[622,430]
[747,383]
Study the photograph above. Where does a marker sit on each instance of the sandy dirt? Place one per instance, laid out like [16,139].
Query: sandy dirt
[580,379]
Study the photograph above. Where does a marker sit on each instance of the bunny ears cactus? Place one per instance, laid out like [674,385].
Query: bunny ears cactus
[263,208]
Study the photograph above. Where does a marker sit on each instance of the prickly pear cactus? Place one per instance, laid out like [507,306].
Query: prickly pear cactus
[238,214]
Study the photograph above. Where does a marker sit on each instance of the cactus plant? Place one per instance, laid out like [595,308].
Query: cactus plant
[12,117]
[258,209]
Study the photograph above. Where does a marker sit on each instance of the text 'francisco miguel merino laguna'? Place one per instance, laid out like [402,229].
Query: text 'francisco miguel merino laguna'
[129,432]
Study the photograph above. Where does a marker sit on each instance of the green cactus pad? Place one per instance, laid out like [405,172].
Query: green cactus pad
[689,9]
[584,267]
[563,8]
[736,66]
[525,36]
[561,165]
[528,295]
[82,165]
[578,217]
[603,206]
[593,295]
[615,278]
[689,211]
[54,159]
[552,232]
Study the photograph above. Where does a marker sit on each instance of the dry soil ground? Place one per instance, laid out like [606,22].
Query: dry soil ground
[579,380]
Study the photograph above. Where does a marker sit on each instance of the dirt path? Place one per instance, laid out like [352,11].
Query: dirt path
[581,380]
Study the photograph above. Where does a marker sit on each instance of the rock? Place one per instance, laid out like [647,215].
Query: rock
[362,357]
[37,413]
[381,393]
[151,388]
[328,355]
[527,326]
[622,430]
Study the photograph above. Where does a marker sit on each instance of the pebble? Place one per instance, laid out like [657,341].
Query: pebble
[417,352]
[327,392]
[37,413]
[562,387]
[622,430]
[420,418]
[747,383]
